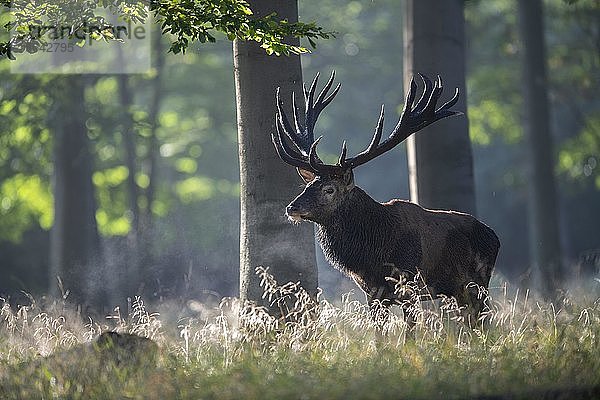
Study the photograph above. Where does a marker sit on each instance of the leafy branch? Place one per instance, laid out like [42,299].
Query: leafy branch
[198,20]
[33,21]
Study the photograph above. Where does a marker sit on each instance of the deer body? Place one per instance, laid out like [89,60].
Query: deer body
[372,242]
[379,244]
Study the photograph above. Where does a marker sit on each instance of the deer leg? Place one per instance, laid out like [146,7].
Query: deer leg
[409,319]
[474,302]
[379,306]
[478,300]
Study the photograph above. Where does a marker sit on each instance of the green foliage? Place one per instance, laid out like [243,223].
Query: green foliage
[493,84]
[25,165]
[24,201]
[33,21]
[32,24]
[320,350]
[196,149]
[578,157]
[495,102]
[492,116]
[574,62]
[193,20]
[199,188]
[112,216]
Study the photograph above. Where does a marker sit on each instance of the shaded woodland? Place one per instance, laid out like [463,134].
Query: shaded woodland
[154,157]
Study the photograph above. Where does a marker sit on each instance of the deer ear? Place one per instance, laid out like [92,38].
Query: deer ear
[349,179]
[308,176]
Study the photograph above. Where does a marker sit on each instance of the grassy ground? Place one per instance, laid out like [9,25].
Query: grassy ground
[526,349]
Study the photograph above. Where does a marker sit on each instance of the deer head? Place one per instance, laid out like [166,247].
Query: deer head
[329,185]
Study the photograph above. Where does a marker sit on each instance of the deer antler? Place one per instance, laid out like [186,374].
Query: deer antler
[413,119]
[304,137]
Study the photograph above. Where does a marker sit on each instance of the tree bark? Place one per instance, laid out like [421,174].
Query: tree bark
[267,184]
[74,240]
[440,159]
[151,162]
[544,239]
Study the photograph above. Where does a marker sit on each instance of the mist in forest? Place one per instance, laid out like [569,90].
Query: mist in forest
[168,140]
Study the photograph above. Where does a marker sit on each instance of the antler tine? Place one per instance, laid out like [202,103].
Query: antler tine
[408,107]
[342,159]
[427,91]
[286,147]
[357,159]
[430,111]
[296,115]
[313,114]
[438,91]
[329,98]
[446,106]
[313,159]
[314,107]
[285,123]
[315,162]
[284,152]
[326,88]
[303,153]
[309,97]
[378,130]
[411,120]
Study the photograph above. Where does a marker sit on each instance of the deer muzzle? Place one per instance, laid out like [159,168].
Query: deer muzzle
[294,213]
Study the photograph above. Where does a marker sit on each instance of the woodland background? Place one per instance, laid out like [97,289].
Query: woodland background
[162,149]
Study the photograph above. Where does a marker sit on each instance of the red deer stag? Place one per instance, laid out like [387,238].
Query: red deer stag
[371,241]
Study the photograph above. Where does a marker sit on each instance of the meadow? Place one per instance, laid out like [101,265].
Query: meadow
[526,348]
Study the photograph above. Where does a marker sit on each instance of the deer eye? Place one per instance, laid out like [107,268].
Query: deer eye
[329,190]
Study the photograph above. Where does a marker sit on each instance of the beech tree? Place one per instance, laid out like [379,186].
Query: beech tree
[440,159]
[267,185]
[74,240]
[544,240]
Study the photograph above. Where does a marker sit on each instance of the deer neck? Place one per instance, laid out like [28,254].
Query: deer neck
[351,237]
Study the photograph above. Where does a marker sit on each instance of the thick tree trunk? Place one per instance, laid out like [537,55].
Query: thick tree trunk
[74,235]
[151,162]
[544,237]
[267,184]
[440,159]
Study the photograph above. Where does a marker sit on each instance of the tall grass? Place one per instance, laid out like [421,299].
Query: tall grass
[526,348]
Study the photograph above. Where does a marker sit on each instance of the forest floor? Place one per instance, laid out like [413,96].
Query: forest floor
[525,349]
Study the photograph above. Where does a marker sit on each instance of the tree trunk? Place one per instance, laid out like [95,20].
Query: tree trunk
[147,237]
[74,241]
[131,282]
[267,184]
[440,159]
[126,98]
[159,51]
[544,238]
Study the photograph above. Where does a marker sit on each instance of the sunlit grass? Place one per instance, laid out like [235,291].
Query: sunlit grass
[322,350]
